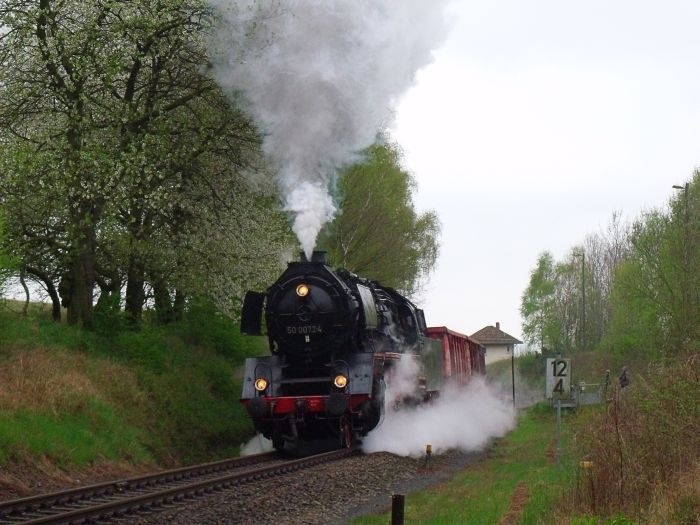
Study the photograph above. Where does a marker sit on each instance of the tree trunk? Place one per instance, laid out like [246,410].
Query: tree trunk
[135,293]
[82,289]
[51,289]
[25,308]
[164,305]
[82,271]
[179,306]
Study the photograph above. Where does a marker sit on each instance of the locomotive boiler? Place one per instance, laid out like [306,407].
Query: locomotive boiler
[333,337]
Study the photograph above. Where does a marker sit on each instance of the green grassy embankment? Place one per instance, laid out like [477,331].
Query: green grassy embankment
[71,398]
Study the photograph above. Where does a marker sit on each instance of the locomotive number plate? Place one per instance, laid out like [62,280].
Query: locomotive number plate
[304,329]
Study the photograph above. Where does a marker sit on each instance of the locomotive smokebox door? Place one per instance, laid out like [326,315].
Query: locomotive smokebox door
[251,316]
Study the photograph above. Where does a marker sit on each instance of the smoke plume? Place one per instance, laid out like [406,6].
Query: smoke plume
[321,78]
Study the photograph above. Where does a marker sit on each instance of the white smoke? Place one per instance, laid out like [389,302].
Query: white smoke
[312,207]
[402,378]
[257,445]
[321,77]
[461,418]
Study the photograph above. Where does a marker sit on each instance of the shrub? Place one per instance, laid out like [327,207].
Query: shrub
[203,325]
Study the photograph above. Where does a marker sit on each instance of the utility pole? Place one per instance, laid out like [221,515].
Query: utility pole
[582,330]
[686,255]
[512,370]
[583,299]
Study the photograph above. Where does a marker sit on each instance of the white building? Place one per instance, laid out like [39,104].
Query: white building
[499,345]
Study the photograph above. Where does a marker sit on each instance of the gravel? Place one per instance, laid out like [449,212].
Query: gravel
[329,494]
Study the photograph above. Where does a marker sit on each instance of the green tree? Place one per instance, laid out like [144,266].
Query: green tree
[537,304]
[656,291]
[36,232]
[117,150]
[568,303]
[377,232]
[551,304]
[637,291]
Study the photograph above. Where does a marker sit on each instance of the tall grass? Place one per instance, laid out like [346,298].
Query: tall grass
[67,408]
[643,450]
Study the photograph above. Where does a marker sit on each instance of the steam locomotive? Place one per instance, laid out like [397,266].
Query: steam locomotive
[338,343]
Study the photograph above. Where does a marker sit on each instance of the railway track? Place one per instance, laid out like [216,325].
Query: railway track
[112,501]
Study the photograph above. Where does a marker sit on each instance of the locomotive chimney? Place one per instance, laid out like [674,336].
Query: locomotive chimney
[316,257]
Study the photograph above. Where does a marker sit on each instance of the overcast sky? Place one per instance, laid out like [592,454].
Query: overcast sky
[536,121]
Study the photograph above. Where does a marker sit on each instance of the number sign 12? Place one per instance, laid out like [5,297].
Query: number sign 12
[558,378]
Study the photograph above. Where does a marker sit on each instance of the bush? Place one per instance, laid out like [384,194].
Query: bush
[203,325]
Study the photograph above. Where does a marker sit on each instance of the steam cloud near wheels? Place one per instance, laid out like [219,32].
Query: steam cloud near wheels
[461,418]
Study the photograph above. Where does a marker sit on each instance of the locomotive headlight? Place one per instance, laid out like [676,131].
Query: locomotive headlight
[260,384]
[302,290]
[340,381]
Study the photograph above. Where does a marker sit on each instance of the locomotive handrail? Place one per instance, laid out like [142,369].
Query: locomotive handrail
[267,376]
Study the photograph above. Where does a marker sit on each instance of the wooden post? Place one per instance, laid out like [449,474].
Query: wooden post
[397,502]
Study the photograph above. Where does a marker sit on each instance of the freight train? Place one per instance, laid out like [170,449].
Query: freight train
[342,348]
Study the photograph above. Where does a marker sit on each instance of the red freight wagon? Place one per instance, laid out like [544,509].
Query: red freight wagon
[461,356]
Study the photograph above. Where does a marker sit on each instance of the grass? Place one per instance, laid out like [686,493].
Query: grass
[167,395]
[78,439]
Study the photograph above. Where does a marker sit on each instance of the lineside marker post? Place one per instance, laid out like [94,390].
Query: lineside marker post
[558,387]
[558,432]
[397,503]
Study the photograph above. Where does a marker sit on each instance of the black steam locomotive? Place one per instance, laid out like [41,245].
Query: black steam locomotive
[334,338]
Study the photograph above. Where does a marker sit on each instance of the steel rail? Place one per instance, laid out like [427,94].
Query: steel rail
[143,502]
[42,502]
